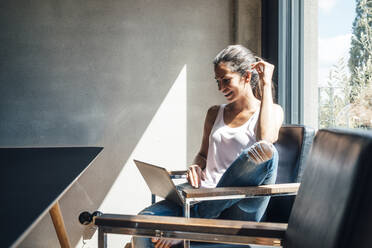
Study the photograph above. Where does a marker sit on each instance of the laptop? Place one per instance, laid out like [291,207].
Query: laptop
[160,183]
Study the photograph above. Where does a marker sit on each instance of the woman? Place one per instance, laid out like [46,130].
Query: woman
[236,148]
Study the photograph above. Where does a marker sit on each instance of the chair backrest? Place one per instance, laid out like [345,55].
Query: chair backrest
[332,208]
[293,145]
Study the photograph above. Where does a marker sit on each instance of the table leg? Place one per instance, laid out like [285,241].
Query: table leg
[59,226]
[102,238]
[186,243]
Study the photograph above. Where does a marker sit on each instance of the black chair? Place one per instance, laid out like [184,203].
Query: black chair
[332,208]
[293,145]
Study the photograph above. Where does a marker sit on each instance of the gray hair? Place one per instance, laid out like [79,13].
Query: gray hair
[239,59]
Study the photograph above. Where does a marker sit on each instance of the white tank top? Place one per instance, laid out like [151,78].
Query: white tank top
[225,145]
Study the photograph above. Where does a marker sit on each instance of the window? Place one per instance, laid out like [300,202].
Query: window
[345,64]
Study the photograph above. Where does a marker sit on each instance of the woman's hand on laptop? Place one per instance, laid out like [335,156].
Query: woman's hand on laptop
[194,175]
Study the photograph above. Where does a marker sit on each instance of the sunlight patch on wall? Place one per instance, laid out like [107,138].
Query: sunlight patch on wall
[163,143]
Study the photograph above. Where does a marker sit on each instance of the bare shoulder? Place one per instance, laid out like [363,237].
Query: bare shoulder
[278,110]
[211,115]
[213,110]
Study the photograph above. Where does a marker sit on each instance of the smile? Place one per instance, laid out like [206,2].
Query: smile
[228,94]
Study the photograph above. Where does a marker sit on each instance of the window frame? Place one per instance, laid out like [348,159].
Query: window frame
[291,60]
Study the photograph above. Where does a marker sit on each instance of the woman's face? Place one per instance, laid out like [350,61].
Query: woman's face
[230,84]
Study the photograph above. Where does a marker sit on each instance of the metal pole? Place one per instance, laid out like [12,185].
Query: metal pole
[186,243]
[102,238]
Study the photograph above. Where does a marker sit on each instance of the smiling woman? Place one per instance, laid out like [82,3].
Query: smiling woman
[238,64]
[236,147]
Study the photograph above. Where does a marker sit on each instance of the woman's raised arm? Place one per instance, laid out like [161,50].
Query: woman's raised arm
[271,115]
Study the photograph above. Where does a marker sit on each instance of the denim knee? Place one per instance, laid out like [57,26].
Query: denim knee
[272,168]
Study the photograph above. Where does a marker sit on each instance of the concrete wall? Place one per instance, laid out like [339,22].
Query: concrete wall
[133,76]
[248,24]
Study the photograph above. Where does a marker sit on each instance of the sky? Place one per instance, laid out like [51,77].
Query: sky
[335,28]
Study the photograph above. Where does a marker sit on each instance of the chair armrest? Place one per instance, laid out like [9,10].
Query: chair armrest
[241,192]
[210,230]
[177,174]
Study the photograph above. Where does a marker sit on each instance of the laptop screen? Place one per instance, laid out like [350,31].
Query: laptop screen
[159,182]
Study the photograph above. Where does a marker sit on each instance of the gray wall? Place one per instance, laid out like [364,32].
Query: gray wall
[95,73]
[70,68]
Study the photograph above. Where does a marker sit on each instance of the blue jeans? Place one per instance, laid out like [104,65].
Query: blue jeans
[242,172]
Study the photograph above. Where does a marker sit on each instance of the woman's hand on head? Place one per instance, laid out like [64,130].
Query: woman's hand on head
[265,71]
[194,175]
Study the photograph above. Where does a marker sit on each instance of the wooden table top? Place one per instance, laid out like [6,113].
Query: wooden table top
[273,189]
